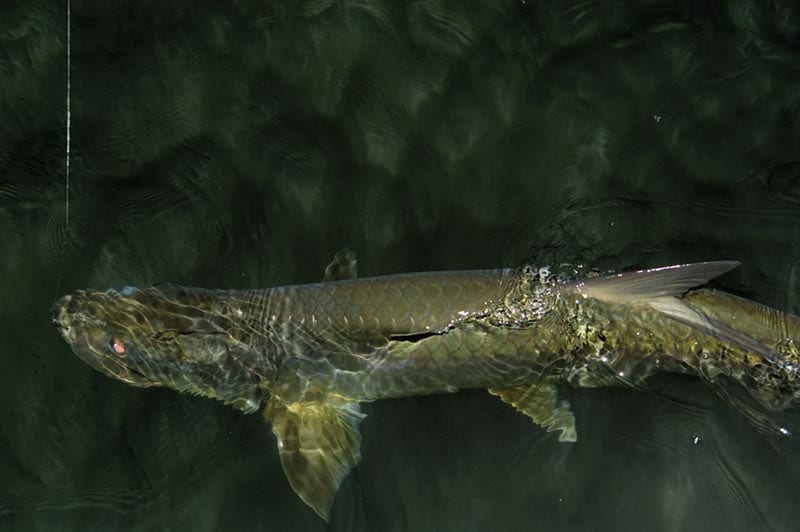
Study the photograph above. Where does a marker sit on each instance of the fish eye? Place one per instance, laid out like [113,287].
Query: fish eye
[116,345]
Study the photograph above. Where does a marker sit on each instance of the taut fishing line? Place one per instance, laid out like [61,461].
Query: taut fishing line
[66,149]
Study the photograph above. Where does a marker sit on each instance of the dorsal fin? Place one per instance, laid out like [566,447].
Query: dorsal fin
[673,280]
[342,267]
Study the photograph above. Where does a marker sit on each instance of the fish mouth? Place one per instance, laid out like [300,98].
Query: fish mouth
[74,326]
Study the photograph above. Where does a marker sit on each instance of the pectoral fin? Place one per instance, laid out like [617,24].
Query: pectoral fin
[319,443]
[540,403]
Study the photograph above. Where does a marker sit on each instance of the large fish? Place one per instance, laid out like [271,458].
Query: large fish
[313,352]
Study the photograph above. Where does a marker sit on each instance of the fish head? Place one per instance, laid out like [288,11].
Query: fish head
[167,336]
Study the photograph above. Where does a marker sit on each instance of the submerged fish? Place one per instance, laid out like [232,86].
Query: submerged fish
[313,352]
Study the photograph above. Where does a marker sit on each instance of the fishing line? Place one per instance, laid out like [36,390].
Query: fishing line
[67,148]
[68,121]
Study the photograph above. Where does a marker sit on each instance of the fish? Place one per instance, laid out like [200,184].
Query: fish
[308,355]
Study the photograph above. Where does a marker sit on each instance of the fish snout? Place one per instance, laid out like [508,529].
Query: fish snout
[59,314]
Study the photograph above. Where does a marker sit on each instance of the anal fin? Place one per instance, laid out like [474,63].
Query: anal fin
[319,443]
[540,403]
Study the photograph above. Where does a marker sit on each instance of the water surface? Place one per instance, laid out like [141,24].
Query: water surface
[241,144]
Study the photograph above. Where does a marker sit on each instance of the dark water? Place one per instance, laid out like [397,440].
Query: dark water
[240,144]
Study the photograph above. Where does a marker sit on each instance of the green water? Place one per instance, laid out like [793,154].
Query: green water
[240,144]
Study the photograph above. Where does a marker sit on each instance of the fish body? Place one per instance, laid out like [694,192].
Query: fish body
[311,353]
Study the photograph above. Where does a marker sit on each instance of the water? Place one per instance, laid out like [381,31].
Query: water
[241,145]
